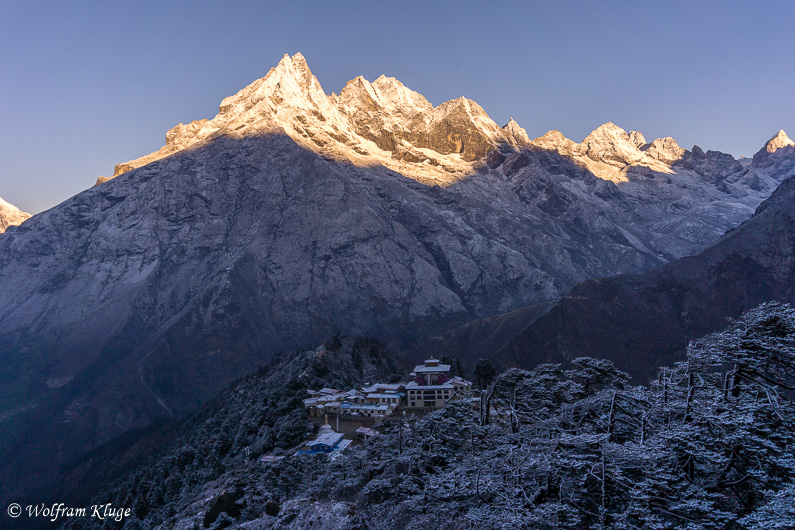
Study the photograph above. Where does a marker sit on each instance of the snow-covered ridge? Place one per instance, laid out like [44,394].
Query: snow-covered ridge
[385,123]
[10,215]
[382,122]
[609,151]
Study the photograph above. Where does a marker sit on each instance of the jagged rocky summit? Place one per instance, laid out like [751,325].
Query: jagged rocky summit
[381,123]
[386,123]
[10,215]
[294,215]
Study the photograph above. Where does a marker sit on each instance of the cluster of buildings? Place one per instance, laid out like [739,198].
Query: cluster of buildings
[432,387]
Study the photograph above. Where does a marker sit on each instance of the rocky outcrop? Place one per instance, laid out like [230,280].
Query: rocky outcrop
[611,144]
[665,150]
[637,139]
[10,215]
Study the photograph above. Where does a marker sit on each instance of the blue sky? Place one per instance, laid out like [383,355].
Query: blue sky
[86,85]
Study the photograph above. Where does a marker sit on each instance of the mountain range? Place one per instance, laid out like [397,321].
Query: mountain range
[294,215]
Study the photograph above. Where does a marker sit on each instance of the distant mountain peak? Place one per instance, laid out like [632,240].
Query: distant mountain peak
[554,140]
[776,155]
[379,123]
[607,135]
[10,215]
[386,93]
[779,140]
[608,128]
[294,67]
[517,131]
[665,150]
[609,143]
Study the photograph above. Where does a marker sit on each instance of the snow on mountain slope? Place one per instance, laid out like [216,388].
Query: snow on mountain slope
[385,123]
[10,215]
[690,196]
[367,123]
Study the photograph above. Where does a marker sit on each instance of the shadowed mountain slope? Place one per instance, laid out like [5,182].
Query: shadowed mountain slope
[644,321]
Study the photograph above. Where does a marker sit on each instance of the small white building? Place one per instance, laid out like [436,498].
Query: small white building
[366,433]
[327,441]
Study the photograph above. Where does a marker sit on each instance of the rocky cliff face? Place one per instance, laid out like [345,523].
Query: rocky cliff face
[293,215]
[645,321]
[10,215]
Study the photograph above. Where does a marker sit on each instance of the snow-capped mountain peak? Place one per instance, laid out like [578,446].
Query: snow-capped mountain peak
[778,141]
[379,123]
[387,93]
[608,150]
[385,123]
[665,150]
[554,140]
[517,132]
[610,142]
[10,215]
[776,155]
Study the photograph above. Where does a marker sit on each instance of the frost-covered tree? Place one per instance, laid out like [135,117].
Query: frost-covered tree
[710,443]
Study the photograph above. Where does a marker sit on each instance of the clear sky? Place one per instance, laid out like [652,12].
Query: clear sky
[85,85]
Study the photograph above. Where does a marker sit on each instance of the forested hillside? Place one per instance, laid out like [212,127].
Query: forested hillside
[707,444]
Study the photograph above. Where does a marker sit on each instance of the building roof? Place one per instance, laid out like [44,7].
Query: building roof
[329,440]
[382,387]
[415,386]
[365,406]
[326,437]
[423,369]
[338,450]
[385,396]
[367,431]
